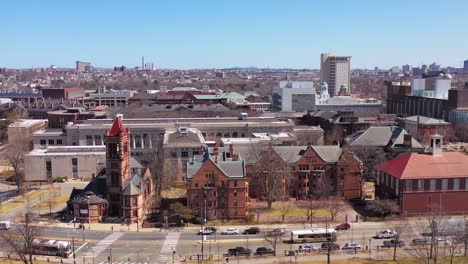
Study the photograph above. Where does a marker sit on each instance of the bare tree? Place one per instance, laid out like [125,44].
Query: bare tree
[163,170]
[19,239]
[333,208]
[272,175]
[400,226]
[324,189]
[15,156]
[284,210]
[383,207]
[310,209]
[258,211]
[273,241]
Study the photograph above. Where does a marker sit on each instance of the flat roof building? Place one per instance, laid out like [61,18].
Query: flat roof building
[335,71]
[291,96]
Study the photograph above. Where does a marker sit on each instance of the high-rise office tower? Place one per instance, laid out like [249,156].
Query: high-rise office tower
[335,71]
[465,66]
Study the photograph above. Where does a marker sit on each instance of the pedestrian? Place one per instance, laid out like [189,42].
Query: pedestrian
[112,228]
[227,260]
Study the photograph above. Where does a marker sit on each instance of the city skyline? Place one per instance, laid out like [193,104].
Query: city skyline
[185,35]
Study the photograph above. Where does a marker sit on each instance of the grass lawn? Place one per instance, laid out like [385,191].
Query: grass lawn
[54,201]
[295,211]
[35,195]
[8,207]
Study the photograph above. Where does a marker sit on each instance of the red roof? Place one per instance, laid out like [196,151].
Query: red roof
[426,166]
[117,128]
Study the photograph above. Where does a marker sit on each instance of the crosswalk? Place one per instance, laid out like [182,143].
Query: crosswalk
[106,242]
[169,245]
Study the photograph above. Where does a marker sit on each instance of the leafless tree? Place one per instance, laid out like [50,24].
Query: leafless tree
[273,241]
[333,208]
[19,239]
[162,169]
[383,207]
[310,209]
[284,209]
[15,155]
[272,175]
[324,189]
[258,211]
[400,226]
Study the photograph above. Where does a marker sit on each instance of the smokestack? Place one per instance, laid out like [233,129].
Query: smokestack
[142,62]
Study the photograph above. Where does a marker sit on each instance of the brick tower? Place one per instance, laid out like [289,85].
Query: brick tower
[117,164]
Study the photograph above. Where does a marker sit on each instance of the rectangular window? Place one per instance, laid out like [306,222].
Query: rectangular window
[235,183]
[184,154]
[420,185]
[303,167]
[235,192]
[51,142]
[134,200]
[75,168]
[311,159]
[59,142]
[98,140]
[48,165]
[235,202]
[209,174]
[456,184]
[174,154]
[466,184]
[89,140]
[433,185]
[444,184]
[43,142]
[397,187]
[234,211]
[135,213]
[409,186]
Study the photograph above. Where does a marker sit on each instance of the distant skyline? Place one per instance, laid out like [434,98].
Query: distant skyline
[222,34]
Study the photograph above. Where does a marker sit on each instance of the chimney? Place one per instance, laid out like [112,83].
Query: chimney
[231,151]
[215,152]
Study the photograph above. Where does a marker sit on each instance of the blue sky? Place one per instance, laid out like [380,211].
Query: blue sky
[226,33]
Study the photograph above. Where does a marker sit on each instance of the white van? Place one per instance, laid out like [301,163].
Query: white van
[4,225]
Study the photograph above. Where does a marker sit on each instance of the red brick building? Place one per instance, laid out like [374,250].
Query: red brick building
[421,183]
[127,193]
[421,128]
[216,186]
[307,170]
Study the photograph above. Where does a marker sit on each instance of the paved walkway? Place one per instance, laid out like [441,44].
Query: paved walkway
[106,243]
[169,245]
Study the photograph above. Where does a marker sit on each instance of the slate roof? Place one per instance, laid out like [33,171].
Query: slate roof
[427,166]
[391,136]
[427,120]
[134,186]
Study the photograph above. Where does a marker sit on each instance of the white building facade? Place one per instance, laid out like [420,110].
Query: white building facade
[291,96]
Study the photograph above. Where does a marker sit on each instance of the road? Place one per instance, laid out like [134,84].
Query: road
[160,246]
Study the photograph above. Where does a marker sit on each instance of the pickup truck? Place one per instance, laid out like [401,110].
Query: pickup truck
[391,243]
[239,251]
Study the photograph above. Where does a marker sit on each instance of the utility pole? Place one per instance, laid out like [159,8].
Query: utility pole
[73,246]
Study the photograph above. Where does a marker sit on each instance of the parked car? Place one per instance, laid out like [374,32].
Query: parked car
[264,251]
[386,234]
[5,225]
[343,226]
[230,231]
[251,231]
[391,243]
[351,246]
[277,232]
[420,242]
[307,248]
[207,230]
[329,246]
[239,251]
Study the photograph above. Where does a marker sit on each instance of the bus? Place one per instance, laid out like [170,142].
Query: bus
[313,235]
[52,248]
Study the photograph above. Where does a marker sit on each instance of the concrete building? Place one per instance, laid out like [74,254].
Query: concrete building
[65,93]
[427,183]
[24,129]
[361,107]
[148,132]
[73,162]
[401,101]
[335,71]
[83,66]
[291,96]
[112,98]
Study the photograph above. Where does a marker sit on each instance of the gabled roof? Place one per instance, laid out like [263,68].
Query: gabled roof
[427,120]
[117,128]
[391,136]
[427,166]
[329,153]
[230,168]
